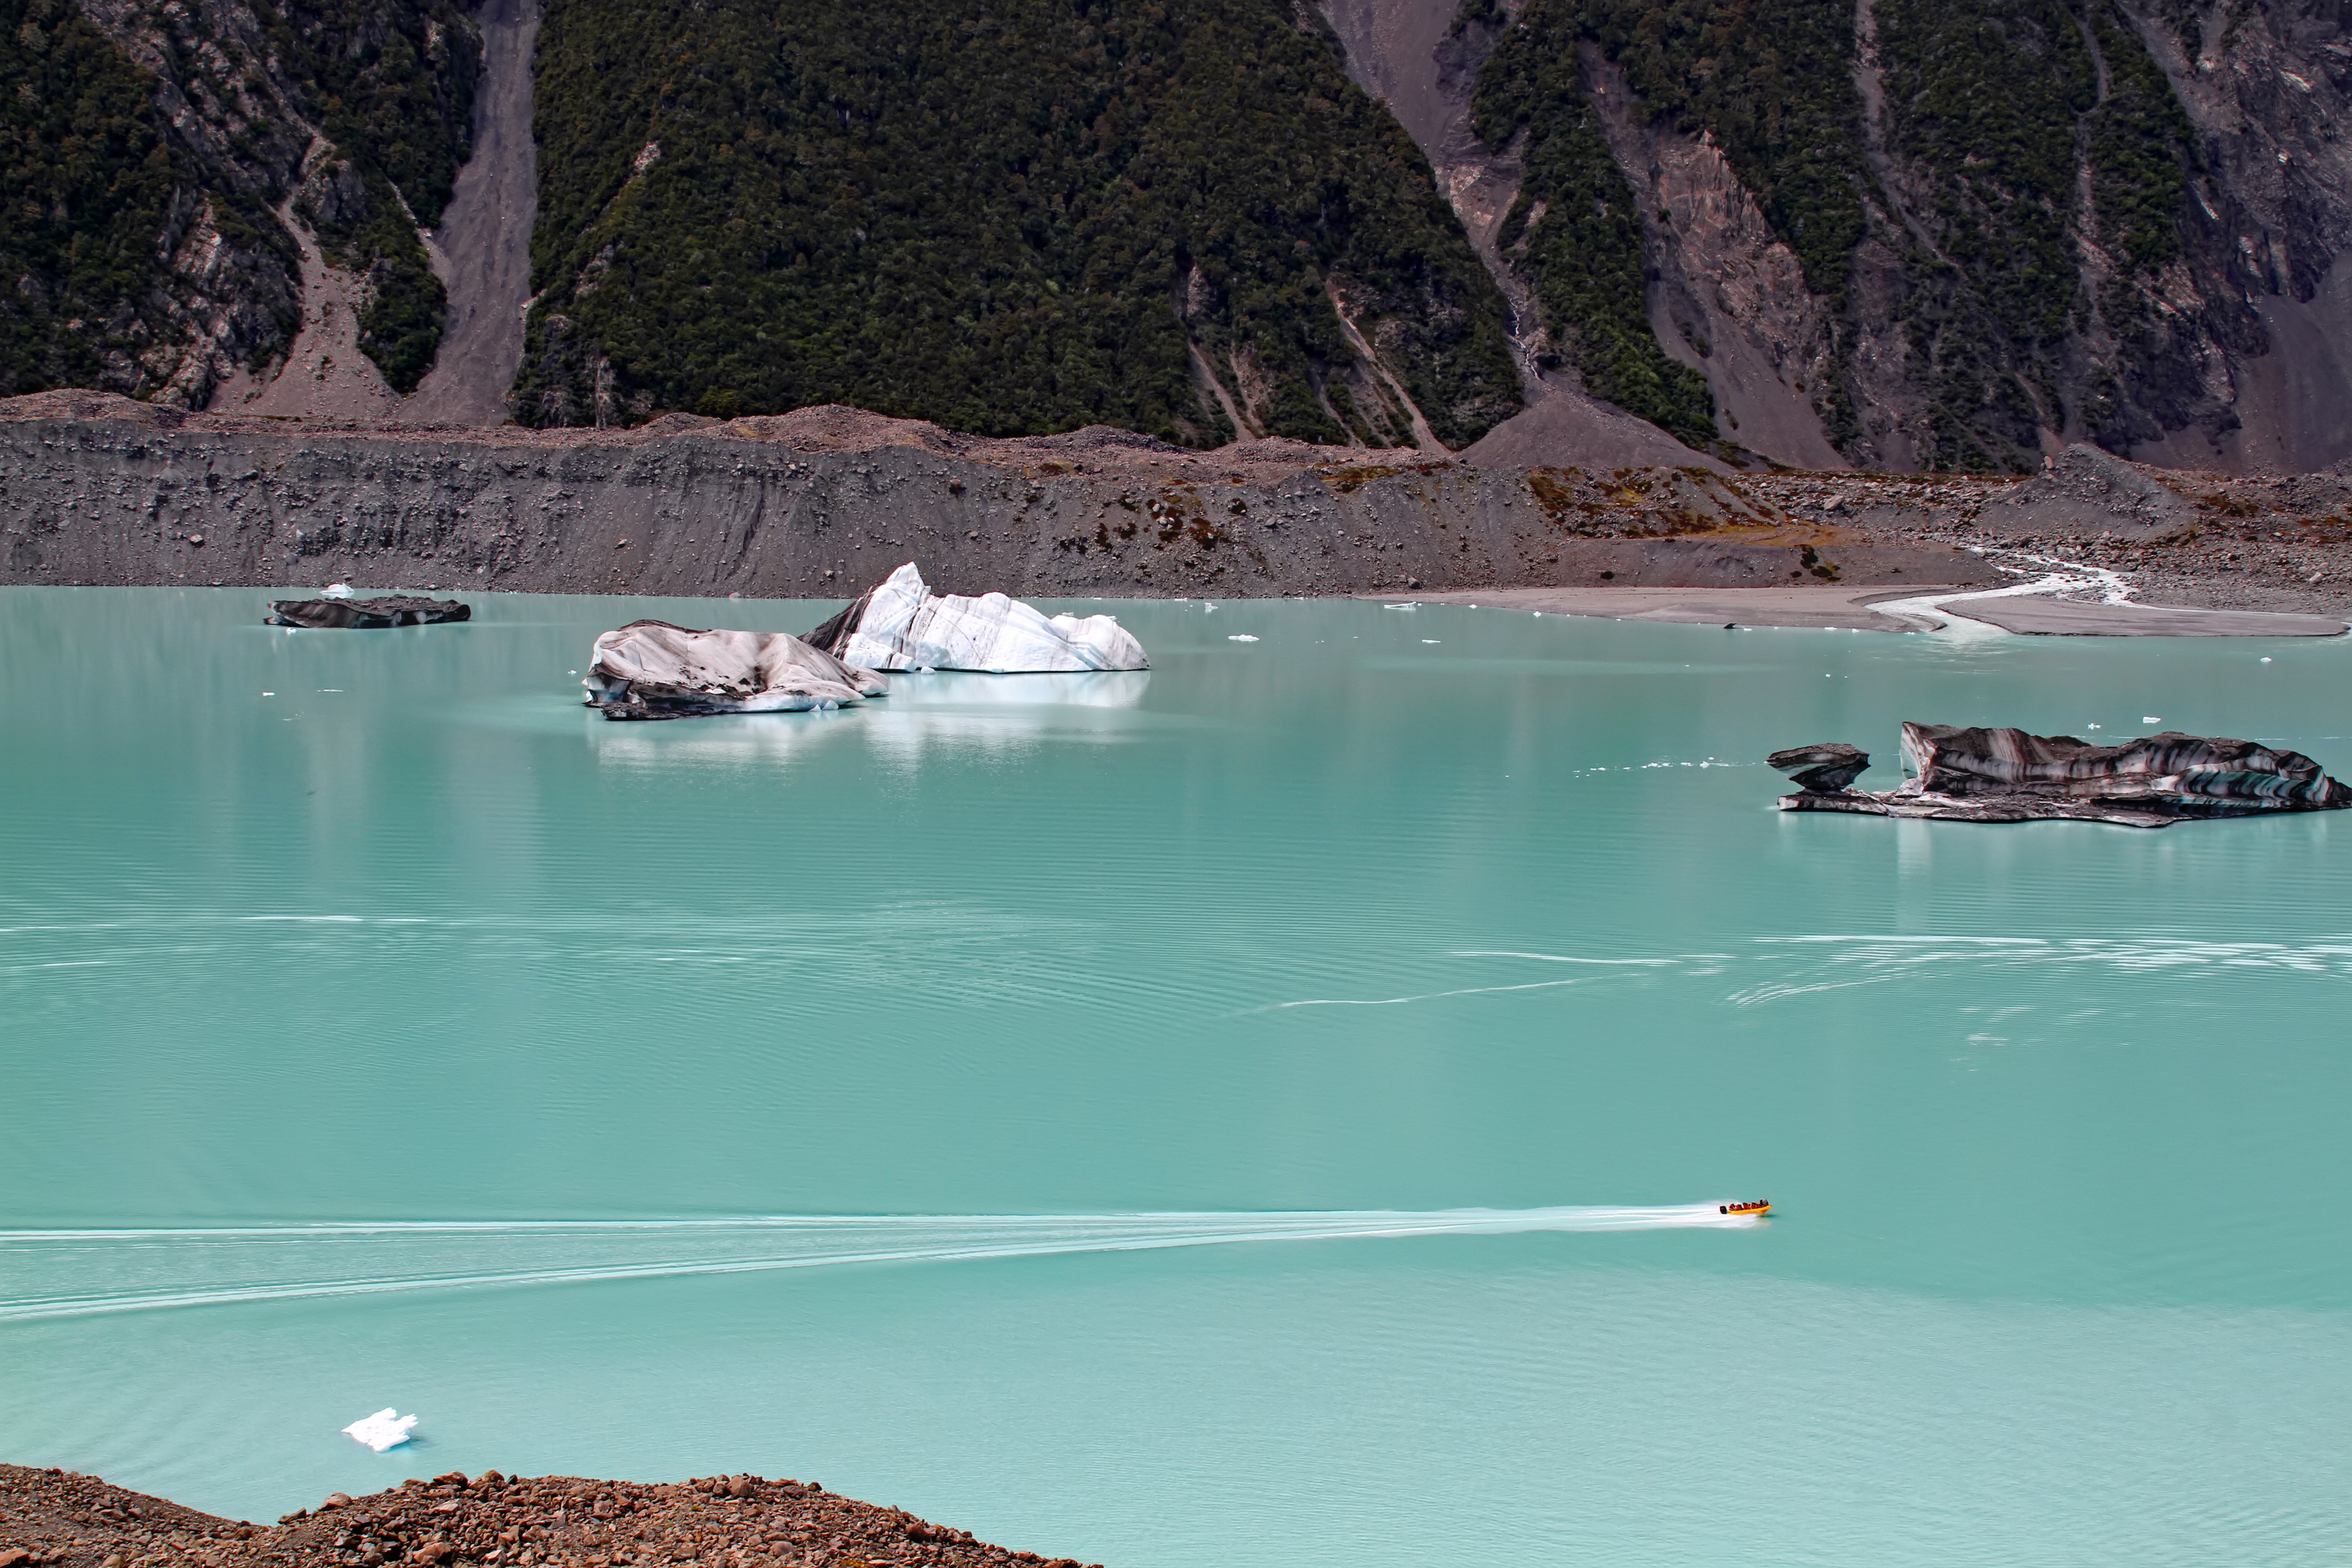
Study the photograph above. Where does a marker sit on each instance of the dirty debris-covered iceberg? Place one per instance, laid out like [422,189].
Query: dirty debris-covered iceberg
[900,624]
[652,669]
[339,612]
[1971,775]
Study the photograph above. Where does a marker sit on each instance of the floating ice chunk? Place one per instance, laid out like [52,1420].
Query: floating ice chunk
[1399,606]
[1241,637]
[384,1429]
[336,591]
[2150,718]
[1431,641]
[652,669]
[899,624]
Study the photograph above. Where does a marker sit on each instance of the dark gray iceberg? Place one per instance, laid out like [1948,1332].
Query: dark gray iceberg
[365,614]
[1956,774]
[1826,768]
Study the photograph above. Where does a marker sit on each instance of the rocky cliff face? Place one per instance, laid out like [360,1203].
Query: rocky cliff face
[1909,234]
[1183,220]
[169,167]
[1899,233]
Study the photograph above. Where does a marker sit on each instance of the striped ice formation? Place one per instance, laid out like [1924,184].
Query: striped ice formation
[900,624]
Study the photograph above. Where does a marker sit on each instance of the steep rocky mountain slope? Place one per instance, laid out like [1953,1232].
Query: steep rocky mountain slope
[168,171]
[1182,218]
[1912,233]
[1892,234]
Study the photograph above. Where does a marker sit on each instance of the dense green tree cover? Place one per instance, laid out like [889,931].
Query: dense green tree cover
[391,86]
[1983,107]
[1015,219]
[2141,150]
[86,183]
[103,180]
[1585,251]
[1994,111]
[1772,81]
[391,82]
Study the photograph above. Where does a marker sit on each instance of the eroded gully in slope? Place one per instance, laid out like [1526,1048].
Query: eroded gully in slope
[482,250]
[1403,53]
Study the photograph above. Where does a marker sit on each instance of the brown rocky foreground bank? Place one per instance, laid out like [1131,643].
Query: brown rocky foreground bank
[54,1519]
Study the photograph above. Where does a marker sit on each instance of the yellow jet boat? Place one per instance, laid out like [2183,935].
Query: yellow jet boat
[1745,1211]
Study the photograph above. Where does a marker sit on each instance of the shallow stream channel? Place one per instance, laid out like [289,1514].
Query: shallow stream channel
[1270,1110]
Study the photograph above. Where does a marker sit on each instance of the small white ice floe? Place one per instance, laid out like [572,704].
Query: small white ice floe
[383,1430]
[1431,641]
[1399,606]
[2150,718]
[1241,637]
[336,591]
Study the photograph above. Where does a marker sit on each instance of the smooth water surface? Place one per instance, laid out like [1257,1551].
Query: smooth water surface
[1076,1108]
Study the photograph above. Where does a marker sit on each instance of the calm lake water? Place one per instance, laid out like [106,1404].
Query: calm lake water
[378,1026]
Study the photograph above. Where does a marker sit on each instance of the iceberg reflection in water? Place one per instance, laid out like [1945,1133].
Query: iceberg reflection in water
[924,709]
[77,1273]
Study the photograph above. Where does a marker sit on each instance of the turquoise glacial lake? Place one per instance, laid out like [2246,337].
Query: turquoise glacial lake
[820,1095]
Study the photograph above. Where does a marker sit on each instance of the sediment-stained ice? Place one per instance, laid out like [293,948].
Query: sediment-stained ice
[899,624]
[652,669]
[1959,773]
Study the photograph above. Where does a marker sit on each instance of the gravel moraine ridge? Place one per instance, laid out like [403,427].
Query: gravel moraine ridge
[55,1519]
[823,502]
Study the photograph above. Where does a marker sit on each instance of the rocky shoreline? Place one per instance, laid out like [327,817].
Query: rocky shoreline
[97,490]
[55,1519]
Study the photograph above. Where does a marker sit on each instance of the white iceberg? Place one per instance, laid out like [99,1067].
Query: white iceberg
[652,669]
[901,624]
[336,591]
[384,1429]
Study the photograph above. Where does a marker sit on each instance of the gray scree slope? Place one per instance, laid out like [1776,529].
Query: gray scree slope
[483,248]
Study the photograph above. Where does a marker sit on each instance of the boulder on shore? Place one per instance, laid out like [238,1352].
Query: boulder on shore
[337,613]
[1969,775]
[899,624]
[652,669]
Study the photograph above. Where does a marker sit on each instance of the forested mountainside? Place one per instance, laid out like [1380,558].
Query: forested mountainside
[145,150]
[2013,219]
[1935,233]
[1181,218]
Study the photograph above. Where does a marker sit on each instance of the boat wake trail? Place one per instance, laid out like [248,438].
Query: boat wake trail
[81,1273]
